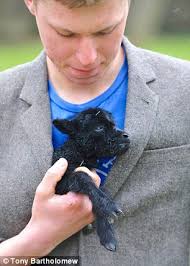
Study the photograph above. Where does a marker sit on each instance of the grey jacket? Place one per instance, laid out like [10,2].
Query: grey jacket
[151,181]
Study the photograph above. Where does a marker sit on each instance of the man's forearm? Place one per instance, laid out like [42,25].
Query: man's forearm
[25,245]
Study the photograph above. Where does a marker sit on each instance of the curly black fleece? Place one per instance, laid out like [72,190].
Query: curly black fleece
[92,135]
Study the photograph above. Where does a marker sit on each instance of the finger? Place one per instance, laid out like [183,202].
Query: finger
[95,177]
[52,176]
[80,201]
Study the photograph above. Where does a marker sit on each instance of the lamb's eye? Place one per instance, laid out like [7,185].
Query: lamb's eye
[99,129]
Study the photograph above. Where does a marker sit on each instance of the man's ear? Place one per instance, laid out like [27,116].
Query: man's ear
[65,126]
[31,5]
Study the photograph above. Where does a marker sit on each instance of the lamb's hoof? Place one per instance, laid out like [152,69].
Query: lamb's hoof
[120,212]
[110,246]
[116,213]
[111,220]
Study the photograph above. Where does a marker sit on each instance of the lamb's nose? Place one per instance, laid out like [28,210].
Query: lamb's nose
[125,135]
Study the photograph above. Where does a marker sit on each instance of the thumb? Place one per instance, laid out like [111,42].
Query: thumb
[95,177]
[52,176]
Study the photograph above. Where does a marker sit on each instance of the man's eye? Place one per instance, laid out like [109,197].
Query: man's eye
[103,33]
[106,32]
[65,35]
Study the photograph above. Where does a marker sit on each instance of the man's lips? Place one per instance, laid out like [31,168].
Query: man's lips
[80,73]
[84,70]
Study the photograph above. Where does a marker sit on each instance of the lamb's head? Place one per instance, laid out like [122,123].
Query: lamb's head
[94,133]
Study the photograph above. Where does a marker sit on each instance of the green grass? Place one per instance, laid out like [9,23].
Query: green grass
[11,55]
[178,46]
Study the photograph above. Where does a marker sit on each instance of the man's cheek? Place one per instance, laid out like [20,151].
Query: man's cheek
[54,51]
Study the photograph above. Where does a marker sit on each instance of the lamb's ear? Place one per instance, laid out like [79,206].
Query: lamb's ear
[65,126]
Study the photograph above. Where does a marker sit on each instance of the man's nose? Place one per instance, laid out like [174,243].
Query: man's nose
[87,52]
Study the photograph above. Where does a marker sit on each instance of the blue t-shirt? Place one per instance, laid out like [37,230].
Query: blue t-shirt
[113,100]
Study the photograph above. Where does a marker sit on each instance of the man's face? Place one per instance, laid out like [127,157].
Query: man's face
[82,42]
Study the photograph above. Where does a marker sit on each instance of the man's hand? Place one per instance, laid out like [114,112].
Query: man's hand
[54,217]
[57,217]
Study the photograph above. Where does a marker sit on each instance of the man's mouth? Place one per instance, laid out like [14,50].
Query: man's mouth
[84,70]
[84,73]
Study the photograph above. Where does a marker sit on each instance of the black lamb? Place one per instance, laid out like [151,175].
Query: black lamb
[92,135]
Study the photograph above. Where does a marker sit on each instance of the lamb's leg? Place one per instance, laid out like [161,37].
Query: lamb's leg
[102,204]
[105,232]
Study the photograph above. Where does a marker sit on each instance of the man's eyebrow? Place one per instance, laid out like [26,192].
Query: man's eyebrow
[102,30]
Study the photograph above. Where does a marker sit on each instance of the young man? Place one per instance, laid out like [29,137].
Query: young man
[88,62]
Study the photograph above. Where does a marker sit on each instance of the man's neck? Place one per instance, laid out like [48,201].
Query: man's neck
[78,94]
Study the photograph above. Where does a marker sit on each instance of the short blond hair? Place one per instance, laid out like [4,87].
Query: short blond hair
[79,3]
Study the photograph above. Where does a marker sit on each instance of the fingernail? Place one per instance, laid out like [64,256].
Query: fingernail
[62,162]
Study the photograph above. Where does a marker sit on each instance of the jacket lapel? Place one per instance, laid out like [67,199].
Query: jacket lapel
[36,120]
[141,110]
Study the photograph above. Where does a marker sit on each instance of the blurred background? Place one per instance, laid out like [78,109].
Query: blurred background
[158,25]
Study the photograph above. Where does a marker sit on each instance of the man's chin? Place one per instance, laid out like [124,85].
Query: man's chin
[84,80]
